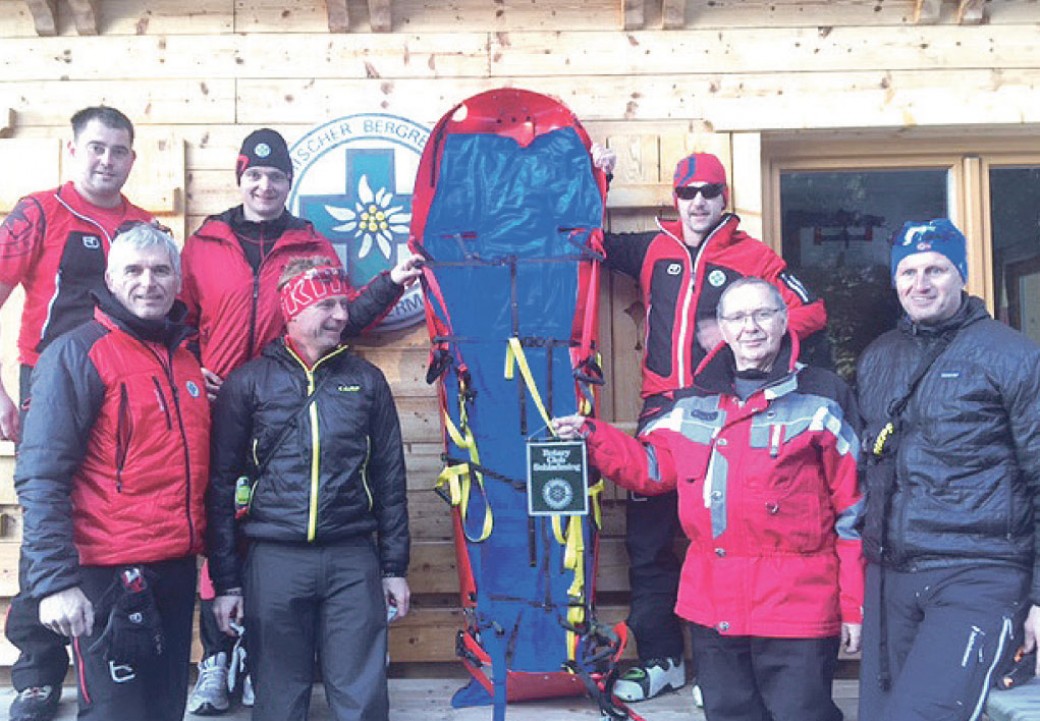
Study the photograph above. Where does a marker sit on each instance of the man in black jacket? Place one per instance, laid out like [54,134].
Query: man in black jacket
[950,400]
[314,430]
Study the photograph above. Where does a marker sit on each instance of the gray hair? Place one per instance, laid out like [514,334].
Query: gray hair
[774,294]
[140,235]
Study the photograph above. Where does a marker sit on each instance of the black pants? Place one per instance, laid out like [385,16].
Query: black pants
[303,601]
[946,631]
[748,678]
[158,689]
[42,658]
[651,525]
[213,639]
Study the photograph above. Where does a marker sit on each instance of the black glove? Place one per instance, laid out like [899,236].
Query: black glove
[134,630]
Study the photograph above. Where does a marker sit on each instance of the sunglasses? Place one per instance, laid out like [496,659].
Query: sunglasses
[709,191]
[128,225]
[325,275]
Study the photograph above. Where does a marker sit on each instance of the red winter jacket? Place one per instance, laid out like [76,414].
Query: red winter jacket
[114,459]
[55,244]
[680,284]
[236,310]
[768,497]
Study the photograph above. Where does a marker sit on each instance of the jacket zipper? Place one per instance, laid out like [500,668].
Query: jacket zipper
[124,430]
[364,471]
[161,397]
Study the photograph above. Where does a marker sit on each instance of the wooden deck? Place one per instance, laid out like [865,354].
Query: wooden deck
[428,699]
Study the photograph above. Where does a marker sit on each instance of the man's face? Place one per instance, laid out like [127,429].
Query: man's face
[699,215]
[753,326]
[264,192]
[143,280]
[318,327]
[102,159]
[929,287]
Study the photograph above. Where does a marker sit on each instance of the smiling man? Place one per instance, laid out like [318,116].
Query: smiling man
[762,452]
[315,429]
[682,271]
[950,400]
[111,475]
[54,244]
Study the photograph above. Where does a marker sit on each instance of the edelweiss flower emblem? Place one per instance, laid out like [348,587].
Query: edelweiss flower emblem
[373,219]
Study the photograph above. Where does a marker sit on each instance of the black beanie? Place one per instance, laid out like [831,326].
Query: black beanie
[264,148]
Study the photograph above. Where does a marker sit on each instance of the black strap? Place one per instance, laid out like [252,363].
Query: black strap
[290,426]
[896,408]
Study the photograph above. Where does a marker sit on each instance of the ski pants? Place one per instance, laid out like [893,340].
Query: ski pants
[156,690]
[939,634]
[303,601]
[751,678]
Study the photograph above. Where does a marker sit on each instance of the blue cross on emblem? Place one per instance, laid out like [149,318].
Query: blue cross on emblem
[368,221]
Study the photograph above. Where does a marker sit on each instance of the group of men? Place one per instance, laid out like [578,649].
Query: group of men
[900,519]
[125,342]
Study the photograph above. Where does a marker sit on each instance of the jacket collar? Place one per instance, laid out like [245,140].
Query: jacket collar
[717,371]
[721,234]
[169,331]
[971,310]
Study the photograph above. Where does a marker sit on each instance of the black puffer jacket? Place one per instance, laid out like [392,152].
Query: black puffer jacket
[968,460]
[338,473]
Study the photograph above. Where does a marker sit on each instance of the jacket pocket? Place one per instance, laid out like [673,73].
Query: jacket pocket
[124,432]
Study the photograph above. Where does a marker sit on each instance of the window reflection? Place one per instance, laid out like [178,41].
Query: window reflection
[1015,219]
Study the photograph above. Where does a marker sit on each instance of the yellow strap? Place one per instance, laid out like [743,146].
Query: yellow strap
[595,491]
[458,477]
[515,357]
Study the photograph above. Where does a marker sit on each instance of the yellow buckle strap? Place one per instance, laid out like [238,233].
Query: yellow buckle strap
[515,358]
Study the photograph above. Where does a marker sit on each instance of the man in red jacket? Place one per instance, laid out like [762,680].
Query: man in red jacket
[56,235]
[231,269]
[682,271]
[111,474]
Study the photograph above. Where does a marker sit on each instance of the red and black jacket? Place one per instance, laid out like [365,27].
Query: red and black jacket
[114,459]
[55,244]
[680,284]
[236,309]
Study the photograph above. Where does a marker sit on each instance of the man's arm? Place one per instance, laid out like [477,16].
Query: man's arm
[67,399]
[389,489]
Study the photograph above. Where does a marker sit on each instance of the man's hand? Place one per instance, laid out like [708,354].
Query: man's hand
[213,383]
[1032,635]
[569,427]
[407,269]
[68,612]
[227,609]
[10,423]
[851,637]
[603,158]
[397,594]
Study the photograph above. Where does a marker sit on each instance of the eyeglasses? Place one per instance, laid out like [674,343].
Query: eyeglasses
[760,316]
[709,191]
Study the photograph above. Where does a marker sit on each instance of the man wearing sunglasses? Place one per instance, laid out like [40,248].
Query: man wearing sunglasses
[54,244]
[682,270]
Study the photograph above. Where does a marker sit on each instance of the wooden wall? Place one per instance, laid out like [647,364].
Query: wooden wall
[197,75]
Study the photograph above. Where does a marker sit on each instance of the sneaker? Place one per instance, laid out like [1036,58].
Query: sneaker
[210,697]
[248,698]
[36,703]
[651,678]
[698,697]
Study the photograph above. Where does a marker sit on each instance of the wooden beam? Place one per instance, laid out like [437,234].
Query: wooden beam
[380,15]
[926,12]
[339,16]
[633,14]
[673,14]
[971,12]
[44,16]
[85,14]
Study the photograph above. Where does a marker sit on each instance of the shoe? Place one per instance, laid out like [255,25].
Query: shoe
[248,698]
[651,678]
[210,697]
[36,703]
[698,697]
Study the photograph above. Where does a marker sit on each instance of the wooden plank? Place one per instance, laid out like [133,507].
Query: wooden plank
[85,14]
[155,101]
[746,184]
[673,14]
[280,16]
[339,16]
[6,122]
[633,13]
[38,161]
[765,49]
[927,11]
[167,17]
[158,178]
[44,16]
[380,15]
